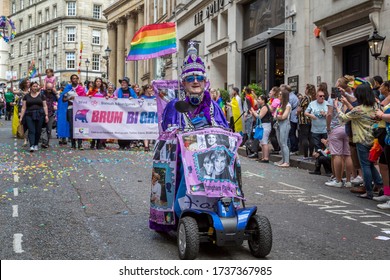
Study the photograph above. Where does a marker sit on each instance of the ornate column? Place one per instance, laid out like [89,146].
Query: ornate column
[120,58]
[111,28]
[130,31]
[141,63]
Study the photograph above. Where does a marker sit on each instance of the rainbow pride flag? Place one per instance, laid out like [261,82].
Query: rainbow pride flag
[153,40]
[32,71]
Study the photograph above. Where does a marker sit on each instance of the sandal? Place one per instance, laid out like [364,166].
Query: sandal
[146,149]
[284,165]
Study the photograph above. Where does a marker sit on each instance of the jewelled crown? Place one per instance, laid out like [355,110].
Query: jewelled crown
[193,64]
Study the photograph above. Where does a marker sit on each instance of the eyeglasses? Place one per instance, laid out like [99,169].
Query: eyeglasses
[322,96]
[191,79]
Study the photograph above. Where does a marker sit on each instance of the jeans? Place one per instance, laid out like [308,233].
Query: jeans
[282,134]
[69,117]
[305,140]
[292,137]
[34,129]
[370,173]
[317,140]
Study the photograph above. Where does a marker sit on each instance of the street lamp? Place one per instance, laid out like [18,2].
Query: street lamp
[107,58]
[87,62]
[375,42]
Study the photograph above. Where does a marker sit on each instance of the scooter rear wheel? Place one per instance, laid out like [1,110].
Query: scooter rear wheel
[188,238]
[260,242]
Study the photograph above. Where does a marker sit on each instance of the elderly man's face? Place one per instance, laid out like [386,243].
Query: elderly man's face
[124,85]
[195,86]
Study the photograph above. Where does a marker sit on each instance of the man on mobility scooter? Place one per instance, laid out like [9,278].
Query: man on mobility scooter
[200,189]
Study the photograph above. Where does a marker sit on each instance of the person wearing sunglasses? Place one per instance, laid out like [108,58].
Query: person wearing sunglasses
[203,111]
[317,111]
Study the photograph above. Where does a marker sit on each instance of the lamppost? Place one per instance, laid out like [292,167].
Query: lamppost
[375,42]
[87,62]
[107,58]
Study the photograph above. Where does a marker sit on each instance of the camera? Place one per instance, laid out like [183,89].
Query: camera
[336,93]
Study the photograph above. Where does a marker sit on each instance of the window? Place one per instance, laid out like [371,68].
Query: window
[97,11]
[96,62]
[71,8]
[13,7]
[47,64]
[70,60]
[12,51]
[47,15]
[39,17]
[155,10]
[39,64]
[71,34]
[29,21]
[29,46]
[20,70]
[30,2]
[20,48]
[39,43]
[21,4]
[55,38]
[96,37]
[55,62]
[21,25]
[55,11]
[47,40]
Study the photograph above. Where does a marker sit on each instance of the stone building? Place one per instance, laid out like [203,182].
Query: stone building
[125,18]
[51,33]
[4,47]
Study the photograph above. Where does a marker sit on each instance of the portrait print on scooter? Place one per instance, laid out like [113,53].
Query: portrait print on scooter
[214,165]
[158,195]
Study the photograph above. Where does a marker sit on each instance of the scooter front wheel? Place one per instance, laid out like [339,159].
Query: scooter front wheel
[188,238]
[260,242]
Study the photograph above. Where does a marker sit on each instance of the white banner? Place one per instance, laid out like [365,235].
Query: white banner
[100,118]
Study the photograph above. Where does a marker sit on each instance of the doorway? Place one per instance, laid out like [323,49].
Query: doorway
[356,60]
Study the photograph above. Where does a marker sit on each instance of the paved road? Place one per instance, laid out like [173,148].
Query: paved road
[65,204]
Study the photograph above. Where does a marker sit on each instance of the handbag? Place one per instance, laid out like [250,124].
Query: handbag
[259,130]
[20,131]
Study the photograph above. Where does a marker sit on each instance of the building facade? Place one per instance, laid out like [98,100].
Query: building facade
[4,47]
[60,35]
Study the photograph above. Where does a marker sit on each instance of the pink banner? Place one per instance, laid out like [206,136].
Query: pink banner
[101,118]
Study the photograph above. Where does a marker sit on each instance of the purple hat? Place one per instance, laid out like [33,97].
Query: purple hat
[193,64]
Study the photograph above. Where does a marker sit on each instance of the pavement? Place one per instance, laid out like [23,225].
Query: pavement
[295,160]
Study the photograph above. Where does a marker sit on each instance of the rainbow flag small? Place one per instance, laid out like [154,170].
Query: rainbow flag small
[32,71]
[152,41]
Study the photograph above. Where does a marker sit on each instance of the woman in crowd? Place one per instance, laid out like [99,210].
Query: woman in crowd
[304,122]
[273,104]
[137,89]
[384,115]
[264,113]
[110,91]
[97,90]
[34,113]
[283,127]
[249,103]
[362,118]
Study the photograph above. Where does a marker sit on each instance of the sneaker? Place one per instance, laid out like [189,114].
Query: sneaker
[357,180]
[348,185]
[334,184]
[384,206]
[383,198]
[32,149]
[35,148]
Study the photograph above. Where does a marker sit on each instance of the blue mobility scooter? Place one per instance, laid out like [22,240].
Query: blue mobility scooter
[209,203]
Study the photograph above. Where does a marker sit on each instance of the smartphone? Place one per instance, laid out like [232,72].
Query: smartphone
[336,93]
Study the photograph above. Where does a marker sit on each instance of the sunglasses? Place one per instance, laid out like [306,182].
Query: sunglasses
[322,96]
[191,79]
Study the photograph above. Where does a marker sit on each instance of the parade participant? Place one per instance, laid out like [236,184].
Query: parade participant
[202,111]
[124,91]
[70,92]
[97,90]
[50,78]
[193,78]
[110,91]
[51,100]
[24,88]
[9,99]
[62,122]
[34,113]
[148,93]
